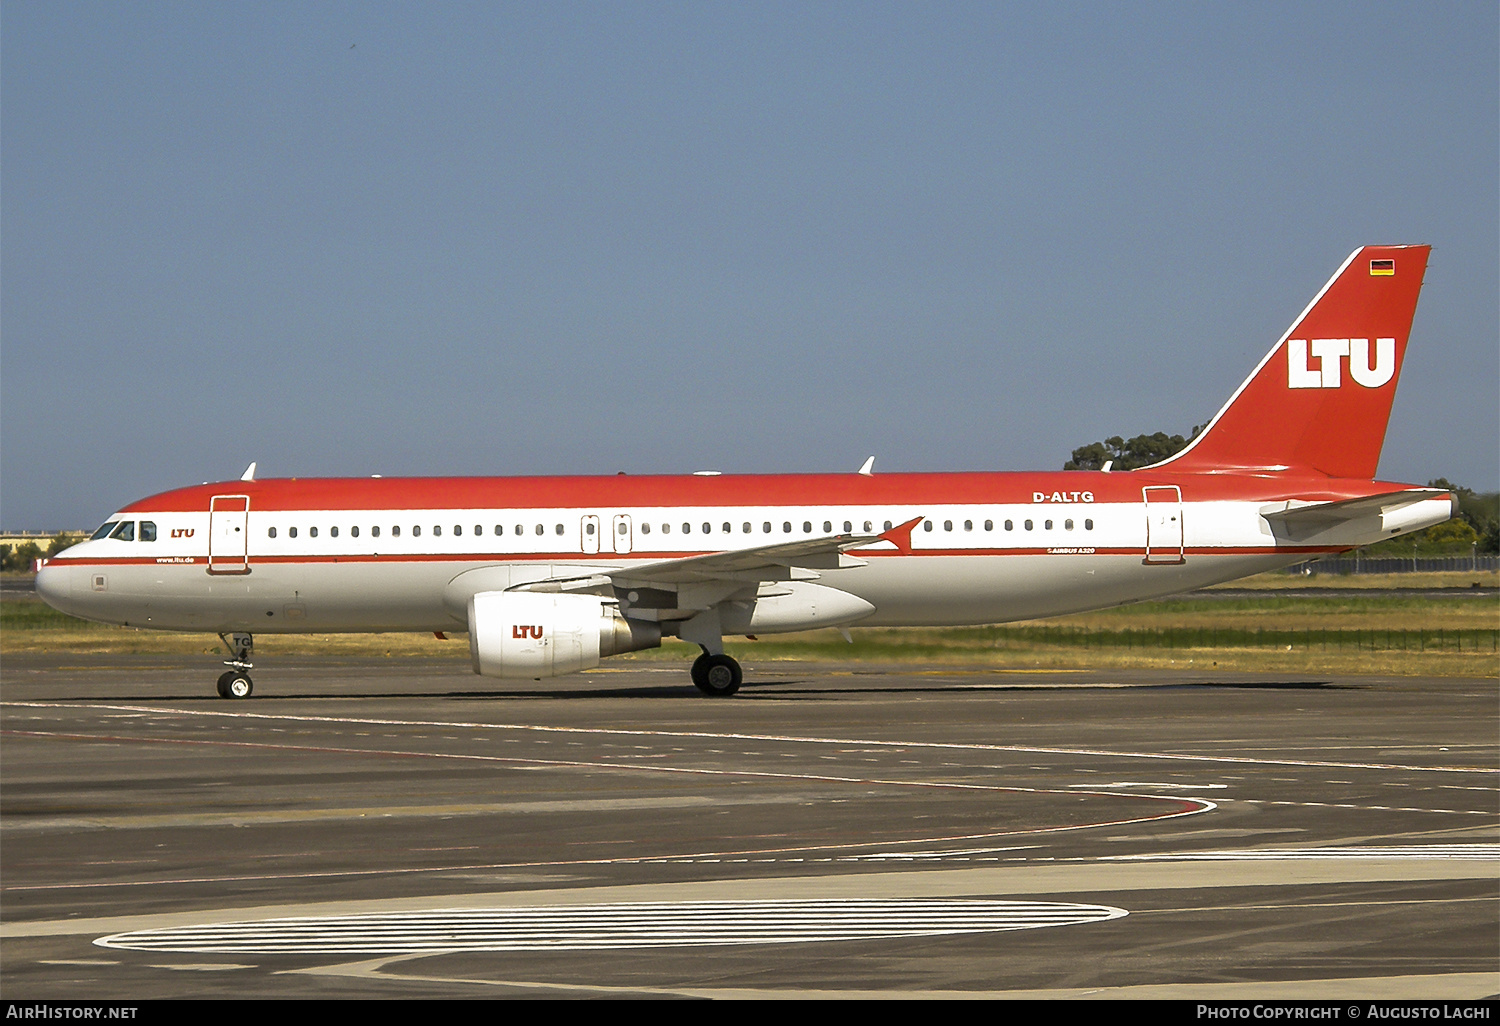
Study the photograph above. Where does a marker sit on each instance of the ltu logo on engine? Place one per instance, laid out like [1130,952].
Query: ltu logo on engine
[523,631]
[1329,352]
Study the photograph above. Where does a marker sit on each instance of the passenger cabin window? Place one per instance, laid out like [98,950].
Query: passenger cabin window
[747,527]
[1010,525]
[271,532]
[989,525]
[103,531]
[354,532]
[1028,525]
[479,530]
[558,530]
[927,525]
[539,529]
[848,527]
[588,529]
[395,530]
[333,532]
[1047,524]
[291,532]
[437,531]
[148,531]
[312,532]
[766,527]
[125,532]
[416,531]
[645,528]
[1088,525]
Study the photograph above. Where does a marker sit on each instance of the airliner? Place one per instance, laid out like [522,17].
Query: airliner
[548,575]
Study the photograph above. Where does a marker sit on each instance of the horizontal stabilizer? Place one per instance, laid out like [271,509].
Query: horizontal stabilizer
[1309,513]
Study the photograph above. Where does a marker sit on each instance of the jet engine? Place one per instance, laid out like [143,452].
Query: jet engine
[531,634]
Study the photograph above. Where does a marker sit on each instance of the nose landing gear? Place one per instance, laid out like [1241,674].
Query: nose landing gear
[236,682]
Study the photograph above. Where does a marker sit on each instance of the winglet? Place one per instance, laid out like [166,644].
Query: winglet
[867,469]
[900,535]
[249,474]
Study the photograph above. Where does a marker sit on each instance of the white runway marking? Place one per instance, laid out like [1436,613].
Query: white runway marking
[1118,784]
[1371,808]
[1393,851]
[635,925]
[785,738]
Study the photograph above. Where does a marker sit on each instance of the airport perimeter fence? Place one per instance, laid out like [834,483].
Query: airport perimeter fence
[1475,640]
[1396,565]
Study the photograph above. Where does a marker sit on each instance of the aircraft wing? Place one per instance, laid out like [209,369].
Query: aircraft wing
[794,560]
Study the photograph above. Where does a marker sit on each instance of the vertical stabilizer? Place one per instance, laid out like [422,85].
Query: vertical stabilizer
[1321,398]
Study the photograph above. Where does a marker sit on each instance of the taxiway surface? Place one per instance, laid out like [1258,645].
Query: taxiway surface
[395,828]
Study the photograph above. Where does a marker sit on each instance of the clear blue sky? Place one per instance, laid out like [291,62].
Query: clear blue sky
[345,239]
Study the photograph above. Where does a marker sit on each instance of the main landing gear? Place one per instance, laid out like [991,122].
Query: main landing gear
[717,675]
[236,683]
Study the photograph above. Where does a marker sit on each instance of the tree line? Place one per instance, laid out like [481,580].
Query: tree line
[21,557]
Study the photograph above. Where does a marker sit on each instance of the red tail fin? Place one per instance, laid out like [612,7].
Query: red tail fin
[1321,398]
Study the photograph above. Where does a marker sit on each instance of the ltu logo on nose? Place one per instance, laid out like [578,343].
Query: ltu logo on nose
[1329,351]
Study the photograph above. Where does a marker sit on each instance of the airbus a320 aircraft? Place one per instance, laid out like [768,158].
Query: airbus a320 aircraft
[548,575]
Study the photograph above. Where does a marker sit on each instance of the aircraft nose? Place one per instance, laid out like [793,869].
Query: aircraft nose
[53,585]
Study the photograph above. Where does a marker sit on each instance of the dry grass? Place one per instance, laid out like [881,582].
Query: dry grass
[1278,580]
[1355,610]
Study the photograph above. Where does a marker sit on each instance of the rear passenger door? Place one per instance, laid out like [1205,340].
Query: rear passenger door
[1164,524]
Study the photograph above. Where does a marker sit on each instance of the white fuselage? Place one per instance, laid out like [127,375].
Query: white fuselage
[298,570]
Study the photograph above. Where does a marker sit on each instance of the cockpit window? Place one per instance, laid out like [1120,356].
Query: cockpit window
[148,531]
[125,532]
[103,531]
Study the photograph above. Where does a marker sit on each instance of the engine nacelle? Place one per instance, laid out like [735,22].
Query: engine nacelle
[532,634]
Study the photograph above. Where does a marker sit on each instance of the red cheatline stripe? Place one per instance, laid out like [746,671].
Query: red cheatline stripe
[638,556]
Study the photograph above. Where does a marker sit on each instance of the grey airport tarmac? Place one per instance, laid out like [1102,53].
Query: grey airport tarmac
[398,828]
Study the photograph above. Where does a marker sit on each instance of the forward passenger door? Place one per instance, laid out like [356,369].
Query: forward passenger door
[229,534]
